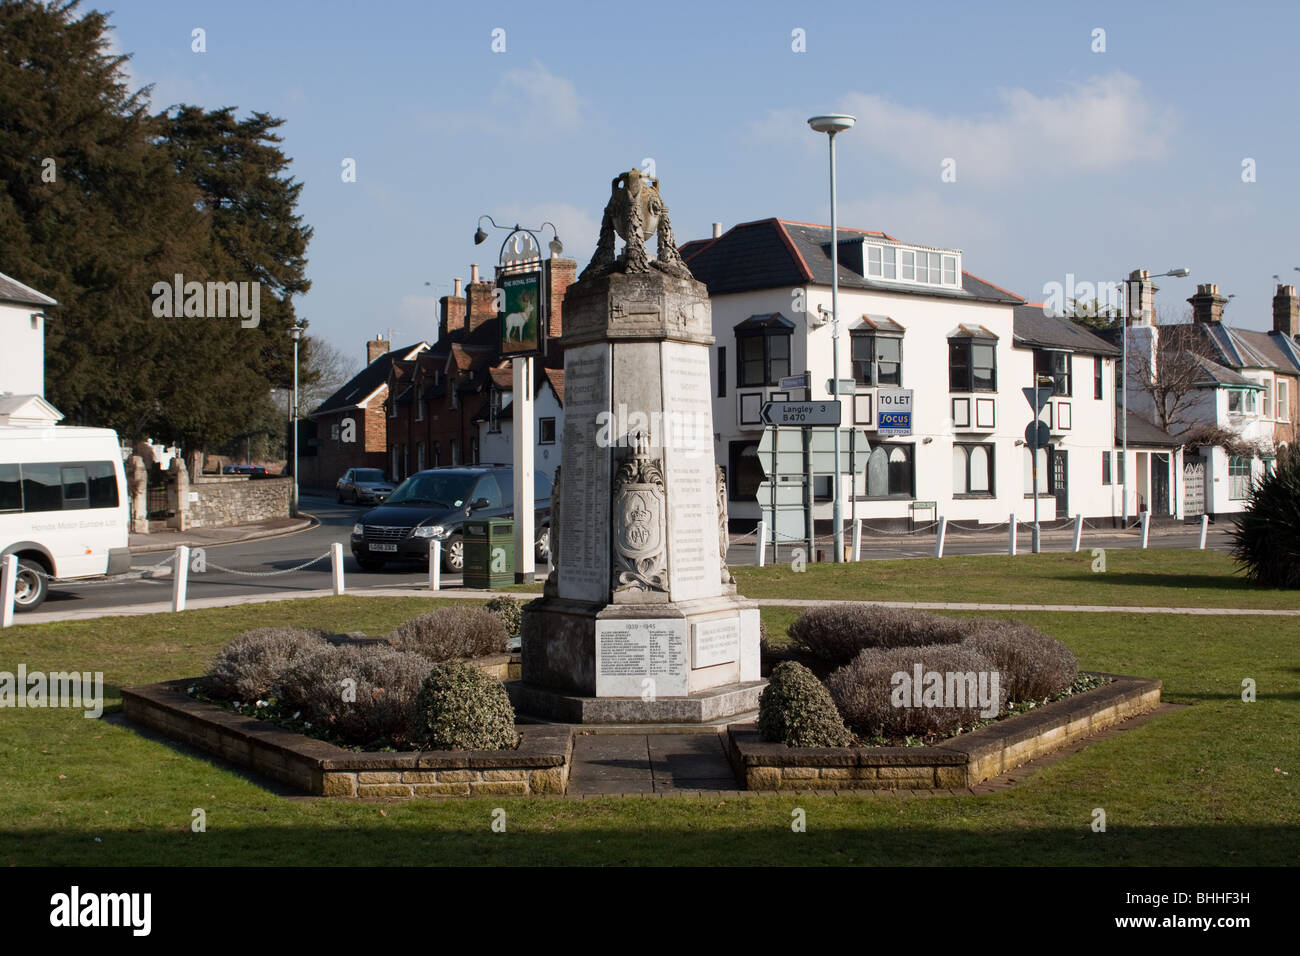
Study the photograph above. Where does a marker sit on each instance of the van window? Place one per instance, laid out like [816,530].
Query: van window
[11,490]
[488,488]
[103,484]
[76,487]
[42,487]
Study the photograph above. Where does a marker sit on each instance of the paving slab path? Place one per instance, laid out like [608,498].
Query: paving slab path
[616,764]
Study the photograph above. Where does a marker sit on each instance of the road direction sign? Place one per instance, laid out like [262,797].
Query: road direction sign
[847,386]
[801,414]
[1037,435]
[894,411]
[793,381]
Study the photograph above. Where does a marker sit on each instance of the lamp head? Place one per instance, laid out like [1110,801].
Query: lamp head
[479,236]
[832,123]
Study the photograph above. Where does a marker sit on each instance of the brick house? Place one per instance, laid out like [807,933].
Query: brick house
[434,398]
[349,429]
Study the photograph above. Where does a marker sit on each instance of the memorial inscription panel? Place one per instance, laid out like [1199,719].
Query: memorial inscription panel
[715,642]
[690,474]
[584,515]
[630,652]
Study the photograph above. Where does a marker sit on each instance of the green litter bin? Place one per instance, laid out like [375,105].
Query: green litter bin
[489,553]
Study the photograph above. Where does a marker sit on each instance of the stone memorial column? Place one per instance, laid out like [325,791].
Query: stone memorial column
[640,620]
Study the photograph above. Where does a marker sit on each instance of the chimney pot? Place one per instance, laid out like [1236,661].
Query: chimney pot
[473,273]
[457,292]
[717,230]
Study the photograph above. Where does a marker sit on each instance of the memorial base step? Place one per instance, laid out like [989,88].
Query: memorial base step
[717,705]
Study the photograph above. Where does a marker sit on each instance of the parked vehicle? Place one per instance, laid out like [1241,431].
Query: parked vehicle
[63,506]
[364,485]
[434,504]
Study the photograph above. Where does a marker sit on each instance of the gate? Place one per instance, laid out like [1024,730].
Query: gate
[156,495]
[1194,487]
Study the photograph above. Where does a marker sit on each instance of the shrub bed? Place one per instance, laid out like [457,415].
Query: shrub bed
[796,710]
[875,706]
[837,633]
[452,633]
[249,667]
[461,708]
[1031,665]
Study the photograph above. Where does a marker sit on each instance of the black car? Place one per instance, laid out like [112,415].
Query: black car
[434,504]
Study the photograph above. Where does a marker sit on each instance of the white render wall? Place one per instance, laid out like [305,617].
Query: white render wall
[927,323]
[497,447]
[22,360]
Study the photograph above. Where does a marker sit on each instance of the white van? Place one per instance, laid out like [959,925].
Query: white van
[63,506]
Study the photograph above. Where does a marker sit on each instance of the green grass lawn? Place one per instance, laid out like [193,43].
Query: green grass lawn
[1133,577]
[1195,786]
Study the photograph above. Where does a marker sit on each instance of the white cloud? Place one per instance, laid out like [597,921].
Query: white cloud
[1103,123]
[539,96]
[929,216]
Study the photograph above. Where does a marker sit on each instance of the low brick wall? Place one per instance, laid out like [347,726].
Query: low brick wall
[539,765]
[958,762]
[233,500]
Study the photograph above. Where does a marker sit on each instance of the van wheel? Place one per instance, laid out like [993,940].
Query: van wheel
[543,544]
[30,585]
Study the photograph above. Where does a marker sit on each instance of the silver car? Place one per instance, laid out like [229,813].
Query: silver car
[364,485]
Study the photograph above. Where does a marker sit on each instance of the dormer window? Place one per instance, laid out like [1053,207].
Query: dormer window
[898,263]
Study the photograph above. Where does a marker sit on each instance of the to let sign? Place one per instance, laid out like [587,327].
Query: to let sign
[894,411]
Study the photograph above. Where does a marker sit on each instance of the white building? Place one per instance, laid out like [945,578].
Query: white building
[496,419]
[22,360]
[911,317]
[1242,405]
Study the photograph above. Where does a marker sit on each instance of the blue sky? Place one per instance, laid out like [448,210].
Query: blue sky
[1067,160]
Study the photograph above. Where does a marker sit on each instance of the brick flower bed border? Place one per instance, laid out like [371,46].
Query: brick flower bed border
[959,762]
[539,765]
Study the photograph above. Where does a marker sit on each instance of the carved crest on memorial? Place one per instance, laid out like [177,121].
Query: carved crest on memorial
[639,522]
[635,212]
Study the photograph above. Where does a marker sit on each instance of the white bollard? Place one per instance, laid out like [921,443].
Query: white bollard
[336,565]
[760,544]
[1011,535]
[1146,528]
[938,541]
[857,539]
[180,577]
[1078,532]
[1205,529]
[8,581]
[435,564]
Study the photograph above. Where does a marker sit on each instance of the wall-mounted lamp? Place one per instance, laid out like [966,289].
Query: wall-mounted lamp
[1019,442]
[927,441]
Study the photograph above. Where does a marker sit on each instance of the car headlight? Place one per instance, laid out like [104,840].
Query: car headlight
[358,529]
[428,531]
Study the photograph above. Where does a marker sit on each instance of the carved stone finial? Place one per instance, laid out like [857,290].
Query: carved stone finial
[635,212]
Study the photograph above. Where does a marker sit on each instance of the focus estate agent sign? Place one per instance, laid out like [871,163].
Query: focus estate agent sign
[894,411]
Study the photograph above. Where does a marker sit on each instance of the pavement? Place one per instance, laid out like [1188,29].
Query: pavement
[214,537]
[650,763]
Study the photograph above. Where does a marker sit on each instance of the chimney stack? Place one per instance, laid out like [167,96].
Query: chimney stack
[1286,312]
[563,273]
[717,230]
[1140,298]
[480,299]
[1207,304]
[451,312]
[375,348]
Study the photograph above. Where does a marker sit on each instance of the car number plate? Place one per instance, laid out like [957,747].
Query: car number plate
[384,547]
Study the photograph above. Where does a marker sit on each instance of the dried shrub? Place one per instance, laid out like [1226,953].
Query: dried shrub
[836,633]
[452,633]
[509,610]
[1031,665]
[795,709]
[864,691]
[365,695]
[249,667]
[461,708]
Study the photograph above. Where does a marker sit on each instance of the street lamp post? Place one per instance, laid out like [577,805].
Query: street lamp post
[1178,273]
[831,124]
[295,333]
